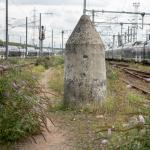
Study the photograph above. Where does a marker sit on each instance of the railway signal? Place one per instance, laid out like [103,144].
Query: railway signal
[41,38]
[42,33]
[62,41]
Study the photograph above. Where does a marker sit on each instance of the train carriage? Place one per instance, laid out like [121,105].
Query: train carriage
[127,53]
[45,52]
[138,52]
[32,52]
[14,51]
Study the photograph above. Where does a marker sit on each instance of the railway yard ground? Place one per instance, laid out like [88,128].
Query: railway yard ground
[122,122]
[136,76]
[74,75]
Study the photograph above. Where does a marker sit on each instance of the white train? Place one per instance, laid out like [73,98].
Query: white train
[137,52]
[14,51]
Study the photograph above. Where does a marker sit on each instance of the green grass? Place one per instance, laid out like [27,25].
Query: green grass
[56,81]
[37,70]
[19,104]
[17,61]
[48,62]
[15,122]
[84,122]
[140,67]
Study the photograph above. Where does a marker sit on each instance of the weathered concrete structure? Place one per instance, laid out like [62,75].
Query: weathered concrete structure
[85,70]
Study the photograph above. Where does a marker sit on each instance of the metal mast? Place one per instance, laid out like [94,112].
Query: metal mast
[40,25]
[62,41]
[34,25]
[26,36]
[84,7]
[52,42]
[135,27]
[6,52]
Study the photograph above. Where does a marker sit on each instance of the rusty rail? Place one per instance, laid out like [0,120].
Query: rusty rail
[136,74]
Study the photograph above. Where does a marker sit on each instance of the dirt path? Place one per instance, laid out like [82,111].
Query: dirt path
[56,140]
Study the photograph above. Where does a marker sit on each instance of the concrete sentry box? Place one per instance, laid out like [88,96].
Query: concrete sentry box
[85,69]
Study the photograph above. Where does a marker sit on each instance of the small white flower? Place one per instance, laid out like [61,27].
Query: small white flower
[129,86]
[113,127]
[104,141]
[141,119]
[100,116]
[125,125]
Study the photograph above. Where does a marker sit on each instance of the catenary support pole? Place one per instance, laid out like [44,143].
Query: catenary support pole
[84,7]
[113,46]
[121,33]
[40,25]
[52,42]
[128,34]
[6,44]
[93,16]
[62,41]
[26,36]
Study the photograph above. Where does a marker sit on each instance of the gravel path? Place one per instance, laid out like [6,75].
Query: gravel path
[56,140]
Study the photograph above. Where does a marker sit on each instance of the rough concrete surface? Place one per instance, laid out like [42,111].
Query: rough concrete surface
[85,70]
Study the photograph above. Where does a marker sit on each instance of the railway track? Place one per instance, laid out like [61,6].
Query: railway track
[137,79]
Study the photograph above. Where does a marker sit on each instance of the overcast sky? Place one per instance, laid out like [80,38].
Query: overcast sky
[65,15]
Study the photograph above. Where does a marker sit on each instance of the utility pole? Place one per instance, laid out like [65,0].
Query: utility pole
[34,25]
[40,24]
[6,44]
[131,35]
[84,7]
[119,40]
[49,50]
[113,46]
[121,34]
[42,37]
[128,34]
[125,37]
[26,36]
[41,32]
[93,16]
[52,42]
[62,41]
[134,34]
[135,27]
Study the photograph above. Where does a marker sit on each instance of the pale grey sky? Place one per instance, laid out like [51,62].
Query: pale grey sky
[65,14]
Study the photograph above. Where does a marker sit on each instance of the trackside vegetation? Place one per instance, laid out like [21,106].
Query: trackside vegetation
[21,111]
[120,123]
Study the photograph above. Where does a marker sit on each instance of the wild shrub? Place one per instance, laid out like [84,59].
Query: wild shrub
[21,112]
[48,62]
[130,110]
[37,70]
[56,82]
[132,138]
[44,61]
[58,60]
